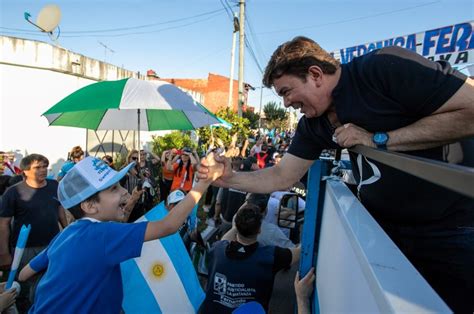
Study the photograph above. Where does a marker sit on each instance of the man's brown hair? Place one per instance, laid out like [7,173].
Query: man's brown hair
[248,220]
[295,57]
[26,162]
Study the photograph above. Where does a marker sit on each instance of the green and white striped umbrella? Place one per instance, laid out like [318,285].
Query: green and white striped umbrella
[130,104]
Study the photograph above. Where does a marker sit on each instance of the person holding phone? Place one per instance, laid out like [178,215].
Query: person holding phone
[183,166]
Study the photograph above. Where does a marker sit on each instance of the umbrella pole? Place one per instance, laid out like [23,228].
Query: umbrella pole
[138,113]
[87,142]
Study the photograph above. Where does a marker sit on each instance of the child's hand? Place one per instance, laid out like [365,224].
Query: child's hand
[7,298]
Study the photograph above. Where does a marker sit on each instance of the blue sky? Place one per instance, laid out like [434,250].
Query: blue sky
[188,39]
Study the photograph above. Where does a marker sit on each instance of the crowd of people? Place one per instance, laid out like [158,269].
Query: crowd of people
[390,99]
[29,196]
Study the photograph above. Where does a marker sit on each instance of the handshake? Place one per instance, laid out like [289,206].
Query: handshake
[213,168]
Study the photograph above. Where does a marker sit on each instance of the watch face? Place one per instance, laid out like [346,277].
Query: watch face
[380,138]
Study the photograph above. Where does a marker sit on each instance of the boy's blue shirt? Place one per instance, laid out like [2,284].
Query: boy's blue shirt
[83,267]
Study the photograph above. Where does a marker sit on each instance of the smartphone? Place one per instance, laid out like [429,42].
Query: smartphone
[140,185]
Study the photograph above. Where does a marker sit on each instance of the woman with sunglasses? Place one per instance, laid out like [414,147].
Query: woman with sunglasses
[133,184]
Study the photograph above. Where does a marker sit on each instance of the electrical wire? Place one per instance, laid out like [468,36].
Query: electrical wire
[349,20]
[126,28]
[146,32]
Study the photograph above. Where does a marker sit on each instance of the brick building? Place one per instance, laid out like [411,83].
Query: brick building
[214,90]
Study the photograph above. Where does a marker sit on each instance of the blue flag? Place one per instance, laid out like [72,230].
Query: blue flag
[162,279]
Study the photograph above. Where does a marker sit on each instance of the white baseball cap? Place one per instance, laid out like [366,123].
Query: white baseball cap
[175,197]
[87,177]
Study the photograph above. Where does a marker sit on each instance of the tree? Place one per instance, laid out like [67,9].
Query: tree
[252,117]
[239,125]
[275,116]
[175,139]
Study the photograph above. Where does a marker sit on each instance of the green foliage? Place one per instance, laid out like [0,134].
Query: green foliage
[274,112]
[252,117]
[120,161]
[276,117]
[239,125]
[175,139]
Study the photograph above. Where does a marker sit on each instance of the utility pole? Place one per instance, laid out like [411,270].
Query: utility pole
[241,55]
[232,61]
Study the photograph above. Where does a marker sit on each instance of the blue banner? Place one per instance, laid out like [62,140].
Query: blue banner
[454,43]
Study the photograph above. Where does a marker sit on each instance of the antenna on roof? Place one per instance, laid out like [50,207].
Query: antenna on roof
[105,50]
[47,21]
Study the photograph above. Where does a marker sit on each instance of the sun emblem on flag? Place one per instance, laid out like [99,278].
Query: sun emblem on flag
[158,270]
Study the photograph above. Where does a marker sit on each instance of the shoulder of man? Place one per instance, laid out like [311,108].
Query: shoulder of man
[283,257]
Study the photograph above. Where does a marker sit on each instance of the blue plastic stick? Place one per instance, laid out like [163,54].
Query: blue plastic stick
[20,245]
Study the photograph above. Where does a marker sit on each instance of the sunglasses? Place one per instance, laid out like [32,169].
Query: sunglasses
[134,158]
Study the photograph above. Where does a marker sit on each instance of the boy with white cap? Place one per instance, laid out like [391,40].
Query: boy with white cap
[83,262]
[174,198]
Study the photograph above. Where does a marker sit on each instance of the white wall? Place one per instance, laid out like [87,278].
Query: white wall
[26,94]
[34,76]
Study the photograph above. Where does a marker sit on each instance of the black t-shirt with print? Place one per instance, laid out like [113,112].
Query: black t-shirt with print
[385,90]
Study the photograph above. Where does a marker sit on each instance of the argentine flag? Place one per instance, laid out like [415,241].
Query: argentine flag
[162,279]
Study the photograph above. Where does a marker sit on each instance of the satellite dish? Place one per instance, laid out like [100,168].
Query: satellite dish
[49,18]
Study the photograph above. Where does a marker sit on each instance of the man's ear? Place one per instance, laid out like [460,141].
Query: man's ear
[316,74]
[89,207]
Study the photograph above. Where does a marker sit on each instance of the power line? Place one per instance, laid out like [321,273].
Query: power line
[123,34]
[127,28]
[349,20]
[229,12]
[252,54]
[253,38]
[146,32]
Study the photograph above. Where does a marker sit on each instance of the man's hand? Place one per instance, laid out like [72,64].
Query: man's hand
[304,286]
[203,170]
[349,135]
[5,261]
[215,169]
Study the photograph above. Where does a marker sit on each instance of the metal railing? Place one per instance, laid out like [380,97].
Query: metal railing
[454,177]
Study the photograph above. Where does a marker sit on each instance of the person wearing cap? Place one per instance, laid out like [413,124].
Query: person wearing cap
[33,201]
[82,263]
[184,231]
[174,198]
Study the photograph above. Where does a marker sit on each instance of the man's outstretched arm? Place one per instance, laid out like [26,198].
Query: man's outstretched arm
[279,177]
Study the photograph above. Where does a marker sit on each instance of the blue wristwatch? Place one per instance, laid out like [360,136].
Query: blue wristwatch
[380,139]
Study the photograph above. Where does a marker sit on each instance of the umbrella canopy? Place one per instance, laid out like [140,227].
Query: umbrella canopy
[222,123]
[130,104]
